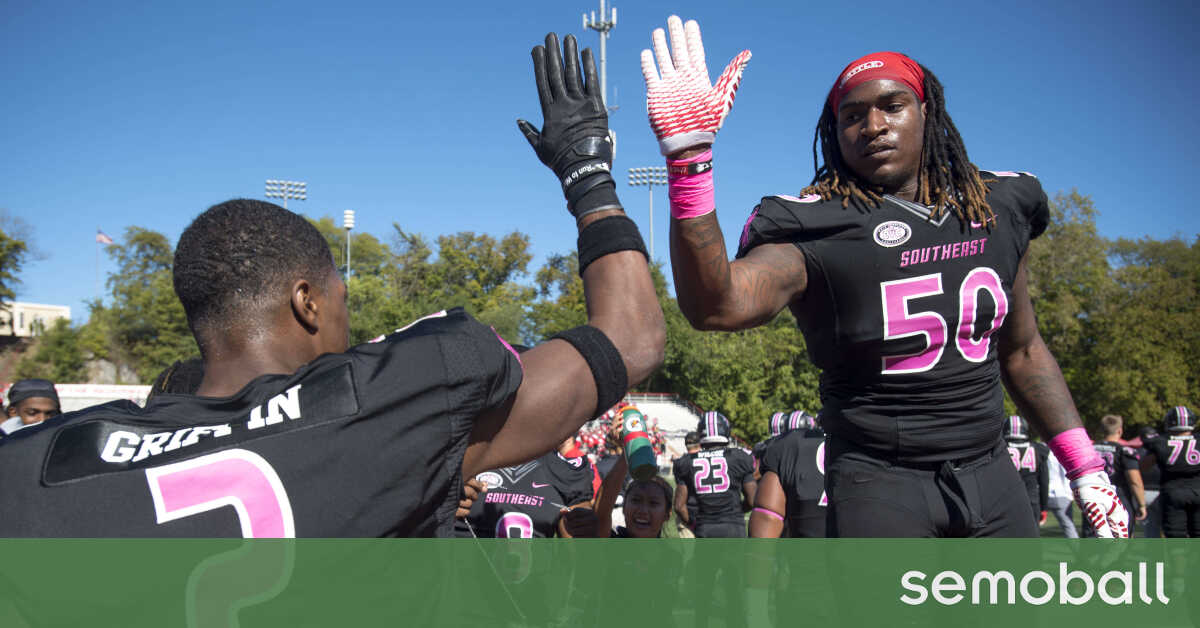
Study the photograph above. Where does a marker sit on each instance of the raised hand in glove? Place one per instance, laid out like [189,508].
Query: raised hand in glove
[1098,500]
[685,109]
[574,140]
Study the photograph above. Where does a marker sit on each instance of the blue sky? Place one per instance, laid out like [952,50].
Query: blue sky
[119,114]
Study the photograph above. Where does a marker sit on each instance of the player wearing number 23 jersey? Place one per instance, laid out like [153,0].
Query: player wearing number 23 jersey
[718,476]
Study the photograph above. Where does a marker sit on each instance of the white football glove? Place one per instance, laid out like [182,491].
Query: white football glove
[1098,500]
[685,109]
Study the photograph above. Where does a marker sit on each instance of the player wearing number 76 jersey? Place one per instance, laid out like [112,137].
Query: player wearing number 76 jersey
[904,266]
[1177,455]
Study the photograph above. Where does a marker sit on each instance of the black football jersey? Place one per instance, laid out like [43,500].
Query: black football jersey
[358,444]
[1118,459]
[524,501]
[901,310]
[716,477]
[798,458]
[679,469]
[1178,457]
[1030,459]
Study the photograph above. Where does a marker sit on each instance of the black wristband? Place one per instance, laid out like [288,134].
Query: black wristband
[602,357]
[682,170]
[597,190]
[608,235]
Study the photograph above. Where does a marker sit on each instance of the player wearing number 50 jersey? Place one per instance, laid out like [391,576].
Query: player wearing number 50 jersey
[292,433]
[904,266]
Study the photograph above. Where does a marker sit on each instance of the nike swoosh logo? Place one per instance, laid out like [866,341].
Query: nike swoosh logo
[536,485]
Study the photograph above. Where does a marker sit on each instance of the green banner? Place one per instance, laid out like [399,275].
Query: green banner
[627,583]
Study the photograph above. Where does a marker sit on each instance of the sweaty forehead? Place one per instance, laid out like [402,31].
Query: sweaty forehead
[872,91]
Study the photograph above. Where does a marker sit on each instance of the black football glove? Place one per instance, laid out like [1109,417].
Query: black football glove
[574,140]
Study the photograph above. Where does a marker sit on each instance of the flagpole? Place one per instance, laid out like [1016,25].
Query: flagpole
[97,267]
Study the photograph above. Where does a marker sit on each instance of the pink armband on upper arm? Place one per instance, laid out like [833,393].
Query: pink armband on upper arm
[769,513]
[691,194]
[1074,451]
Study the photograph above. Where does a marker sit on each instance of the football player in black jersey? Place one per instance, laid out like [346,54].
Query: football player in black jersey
[1178,458]
[721,478]
[530,500]
[291,432]
[790,499]
[1151,484]
[1030,459]
[904,265]
[1121,465]
[686,519]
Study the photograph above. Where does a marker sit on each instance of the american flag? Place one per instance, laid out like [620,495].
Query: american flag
[103,238]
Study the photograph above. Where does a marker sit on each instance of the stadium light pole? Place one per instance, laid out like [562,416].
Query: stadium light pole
[348,225]
[649,176]
[277,188]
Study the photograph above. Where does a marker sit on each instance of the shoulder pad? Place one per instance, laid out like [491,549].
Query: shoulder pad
[1021,194]
[783,218]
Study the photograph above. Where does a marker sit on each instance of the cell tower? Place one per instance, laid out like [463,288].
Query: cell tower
[608,19]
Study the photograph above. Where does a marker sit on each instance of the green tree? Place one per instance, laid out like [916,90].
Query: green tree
[1071,287]
[561,304]
[368,256]
[144,326]
[13,253]
[1150,334]
[58,356]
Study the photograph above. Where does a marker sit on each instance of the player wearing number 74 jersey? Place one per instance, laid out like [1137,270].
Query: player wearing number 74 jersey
[904,265]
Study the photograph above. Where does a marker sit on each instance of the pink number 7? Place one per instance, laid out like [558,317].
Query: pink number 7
[235,477]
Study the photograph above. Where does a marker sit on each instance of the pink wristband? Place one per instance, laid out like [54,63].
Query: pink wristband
[1074,451]
[691,194]
[769,513]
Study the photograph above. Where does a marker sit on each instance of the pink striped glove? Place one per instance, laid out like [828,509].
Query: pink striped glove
[685,109]
[1098,500]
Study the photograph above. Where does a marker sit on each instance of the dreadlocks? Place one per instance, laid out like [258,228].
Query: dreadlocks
[947,179]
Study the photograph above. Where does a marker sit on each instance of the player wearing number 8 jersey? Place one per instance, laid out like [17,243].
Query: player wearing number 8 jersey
[293,433]
[904,266]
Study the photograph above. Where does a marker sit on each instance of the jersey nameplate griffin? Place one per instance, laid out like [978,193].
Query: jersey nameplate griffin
[98,447]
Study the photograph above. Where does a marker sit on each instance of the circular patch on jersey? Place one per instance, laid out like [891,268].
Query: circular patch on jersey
[490,479]
[892,233]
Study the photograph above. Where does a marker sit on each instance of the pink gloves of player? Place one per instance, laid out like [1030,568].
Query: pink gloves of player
[1097,498]
[685,109]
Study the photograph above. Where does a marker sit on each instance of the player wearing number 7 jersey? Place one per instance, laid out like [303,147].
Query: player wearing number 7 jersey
[293,433]
[904,266]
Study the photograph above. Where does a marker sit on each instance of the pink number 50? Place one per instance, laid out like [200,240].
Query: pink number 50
[899,322]
[234,477]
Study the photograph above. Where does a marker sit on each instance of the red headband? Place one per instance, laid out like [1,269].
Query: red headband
[874,67]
